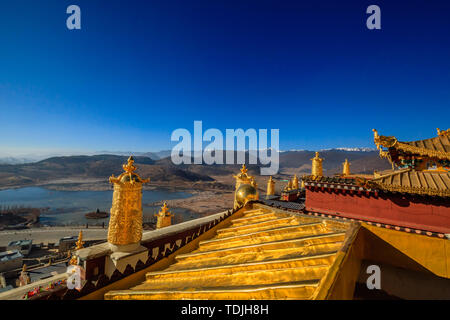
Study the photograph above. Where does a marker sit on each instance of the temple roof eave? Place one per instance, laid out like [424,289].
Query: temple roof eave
[437,147]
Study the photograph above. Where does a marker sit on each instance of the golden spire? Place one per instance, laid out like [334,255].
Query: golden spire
[79,243]
[24,267]
[303,184]
[270,187]
[346,168]
[164,217]
[316,169]
[244,169]
[295,182]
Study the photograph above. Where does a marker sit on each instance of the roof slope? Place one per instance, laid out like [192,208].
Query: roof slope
[438,147]
[434,183]
[262,254]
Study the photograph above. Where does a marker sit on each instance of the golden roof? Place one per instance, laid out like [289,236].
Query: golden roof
[437,147]
[262,254]
[433,183]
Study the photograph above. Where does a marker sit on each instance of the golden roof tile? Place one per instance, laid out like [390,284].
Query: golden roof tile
[433,183]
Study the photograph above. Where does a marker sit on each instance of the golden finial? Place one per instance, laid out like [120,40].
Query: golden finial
[129,167]
[288,186]
[346,168]
[316,169]
[164,210]
[295,182]
[129,175]
[125,221]
[270,187]
[79,243]
[243,177]
[164,217]
[24,267]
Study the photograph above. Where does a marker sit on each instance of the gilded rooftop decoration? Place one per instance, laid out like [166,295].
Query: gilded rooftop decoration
[125,225]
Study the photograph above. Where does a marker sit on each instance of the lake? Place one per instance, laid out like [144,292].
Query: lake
[69,207]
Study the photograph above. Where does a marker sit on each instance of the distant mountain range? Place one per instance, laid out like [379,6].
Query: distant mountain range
[163,170]
[30,158]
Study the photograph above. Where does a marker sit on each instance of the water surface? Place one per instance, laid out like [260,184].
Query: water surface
[69,207]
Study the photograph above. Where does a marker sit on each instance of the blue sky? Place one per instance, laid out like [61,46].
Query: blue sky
[140,69]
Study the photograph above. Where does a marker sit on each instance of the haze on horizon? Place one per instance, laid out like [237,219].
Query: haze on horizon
[135,73]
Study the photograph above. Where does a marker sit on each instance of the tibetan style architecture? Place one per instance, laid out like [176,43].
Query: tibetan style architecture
[318,247]
[415,196]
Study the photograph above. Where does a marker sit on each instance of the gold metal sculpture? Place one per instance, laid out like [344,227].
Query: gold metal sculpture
[316,169]
[244,194]
[243,177]
[78,245]
[270,187]
[125,224]
[288,186]
[443,132]
[382,141]
[346,168]
[164,217]
[246,188]
[295,182]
